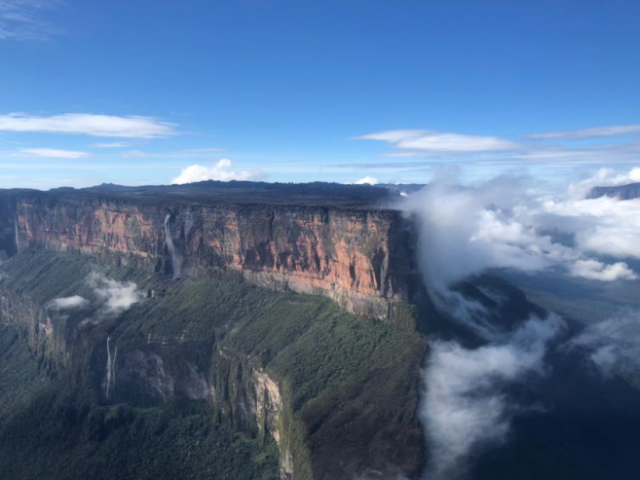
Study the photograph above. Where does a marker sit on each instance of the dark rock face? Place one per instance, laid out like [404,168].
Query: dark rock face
[623,192]
[359,257]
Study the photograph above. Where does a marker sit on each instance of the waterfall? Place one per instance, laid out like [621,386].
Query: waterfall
[110,383]
[175,258]
[16,233]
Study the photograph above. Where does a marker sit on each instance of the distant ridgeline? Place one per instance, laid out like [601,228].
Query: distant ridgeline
[623,192]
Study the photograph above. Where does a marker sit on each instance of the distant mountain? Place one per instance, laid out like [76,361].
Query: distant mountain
[623,192]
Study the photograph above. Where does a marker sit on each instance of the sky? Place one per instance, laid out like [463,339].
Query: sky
[157,91]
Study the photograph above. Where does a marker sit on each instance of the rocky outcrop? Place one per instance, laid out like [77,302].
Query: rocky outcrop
[359,257]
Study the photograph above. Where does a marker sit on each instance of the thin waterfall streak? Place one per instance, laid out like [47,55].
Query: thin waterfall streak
[110,382]
[113,369]
[175,258]
[16,233]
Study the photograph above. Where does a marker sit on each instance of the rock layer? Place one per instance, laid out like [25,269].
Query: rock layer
[359,257]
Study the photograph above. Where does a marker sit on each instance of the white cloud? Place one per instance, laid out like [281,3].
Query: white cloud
[587,133]
[464,407]
[430,141]
[613,345]
[50,153]
[220,171]
[605,177]
[499,225]
[368,181]
[595,270]
[89,124]
[117,296]
[537,149]
[112,145]
[68,303]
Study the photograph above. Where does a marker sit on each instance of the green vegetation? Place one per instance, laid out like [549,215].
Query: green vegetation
[349,386]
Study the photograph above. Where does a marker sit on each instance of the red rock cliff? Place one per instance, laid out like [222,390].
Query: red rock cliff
[359,257]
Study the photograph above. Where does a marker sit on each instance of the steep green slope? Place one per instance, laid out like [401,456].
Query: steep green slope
[209,373]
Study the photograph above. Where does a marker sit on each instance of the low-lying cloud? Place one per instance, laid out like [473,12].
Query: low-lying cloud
[464,408]
[613,345]
[505,224]
[116,296]
[68,303]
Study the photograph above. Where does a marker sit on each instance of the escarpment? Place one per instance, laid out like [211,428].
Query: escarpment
[361,257]
[260,384]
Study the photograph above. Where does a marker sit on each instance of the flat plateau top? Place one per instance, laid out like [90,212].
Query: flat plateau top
[234,192]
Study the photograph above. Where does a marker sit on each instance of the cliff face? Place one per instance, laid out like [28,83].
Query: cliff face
[623,192]
[359,257]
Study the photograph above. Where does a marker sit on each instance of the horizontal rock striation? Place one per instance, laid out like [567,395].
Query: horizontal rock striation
[360,257]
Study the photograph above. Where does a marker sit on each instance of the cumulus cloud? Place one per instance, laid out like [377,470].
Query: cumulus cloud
[50,153]
[595,270]
[220,171]
[89,124]
[464,408]
[430,141]
[116,296]
[368,181]
[68,303]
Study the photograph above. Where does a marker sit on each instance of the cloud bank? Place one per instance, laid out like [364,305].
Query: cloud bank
[465,407]
[221,171]
[502,224]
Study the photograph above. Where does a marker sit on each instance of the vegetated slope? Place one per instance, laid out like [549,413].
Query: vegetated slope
[214,378]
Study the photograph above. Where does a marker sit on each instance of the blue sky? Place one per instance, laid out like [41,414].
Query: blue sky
[154,91]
